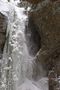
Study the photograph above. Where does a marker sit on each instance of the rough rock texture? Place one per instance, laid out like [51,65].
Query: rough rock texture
[33,1]
[47,19]
[3,28]
[37,1]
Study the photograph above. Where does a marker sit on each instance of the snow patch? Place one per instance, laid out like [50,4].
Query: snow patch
[4,8]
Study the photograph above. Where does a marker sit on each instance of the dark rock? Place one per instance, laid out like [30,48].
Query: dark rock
[33,38]
[47,20]
[33,1]
[3,29]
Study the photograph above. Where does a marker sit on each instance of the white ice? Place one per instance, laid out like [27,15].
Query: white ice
[28,85]
[22,61]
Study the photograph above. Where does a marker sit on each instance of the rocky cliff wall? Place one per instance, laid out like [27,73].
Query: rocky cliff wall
[47,19]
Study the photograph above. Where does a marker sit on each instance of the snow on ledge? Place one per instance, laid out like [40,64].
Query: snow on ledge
[4,8]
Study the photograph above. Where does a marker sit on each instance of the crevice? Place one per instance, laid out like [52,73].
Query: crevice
[33,38]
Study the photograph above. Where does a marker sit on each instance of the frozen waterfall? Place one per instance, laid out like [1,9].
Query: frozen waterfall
[21,62]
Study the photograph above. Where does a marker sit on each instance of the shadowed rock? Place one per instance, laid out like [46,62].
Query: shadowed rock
[3,29]
[33,38]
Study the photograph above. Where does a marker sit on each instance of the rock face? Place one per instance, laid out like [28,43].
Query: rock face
[47,20]
[33,1]
[3,29]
